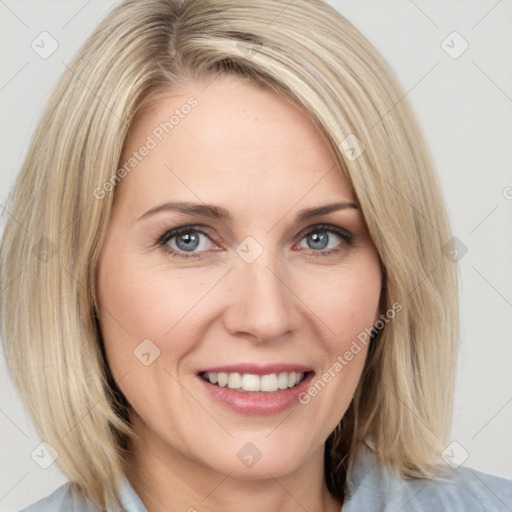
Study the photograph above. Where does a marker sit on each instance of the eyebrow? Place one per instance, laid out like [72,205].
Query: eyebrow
[219,213]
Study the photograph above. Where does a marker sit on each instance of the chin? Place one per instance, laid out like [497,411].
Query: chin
[256,458]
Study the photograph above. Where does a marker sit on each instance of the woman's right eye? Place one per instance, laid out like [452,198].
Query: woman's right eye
[186,241]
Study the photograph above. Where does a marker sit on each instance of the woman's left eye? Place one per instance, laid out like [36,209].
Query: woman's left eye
[192,241]
[326,239]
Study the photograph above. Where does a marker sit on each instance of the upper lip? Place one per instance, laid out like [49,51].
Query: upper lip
[258,369]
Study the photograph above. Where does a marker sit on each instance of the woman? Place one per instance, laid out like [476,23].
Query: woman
[242,302]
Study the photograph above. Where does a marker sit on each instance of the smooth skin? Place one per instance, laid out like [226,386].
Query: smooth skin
[303,300]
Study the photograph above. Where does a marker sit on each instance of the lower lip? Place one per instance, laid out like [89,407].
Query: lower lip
[257,402]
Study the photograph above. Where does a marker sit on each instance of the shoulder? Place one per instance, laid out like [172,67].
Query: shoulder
[63,499]
[463,489]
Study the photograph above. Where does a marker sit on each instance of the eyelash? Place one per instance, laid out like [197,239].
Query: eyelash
[346,237]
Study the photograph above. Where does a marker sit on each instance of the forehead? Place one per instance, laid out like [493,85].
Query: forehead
[228,142]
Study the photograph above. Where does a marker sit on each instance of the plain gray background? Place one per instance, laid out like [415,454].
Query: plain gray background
[464,104]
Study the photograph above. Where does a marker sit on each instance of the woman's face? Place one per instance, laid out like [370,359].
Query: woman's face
[216,260]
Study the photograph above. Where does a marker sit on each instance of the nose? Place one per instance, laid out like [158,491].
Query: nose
[261,302]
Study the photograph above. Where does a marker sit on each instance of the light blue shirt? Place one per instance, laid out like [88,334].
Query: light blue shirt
[459,490]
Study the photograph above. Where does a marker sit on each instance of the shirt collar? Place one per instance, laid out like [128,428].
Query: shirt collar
[129,499]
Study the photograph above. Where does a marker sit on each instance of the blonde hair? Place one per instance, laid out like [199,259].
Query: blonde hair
[309,53]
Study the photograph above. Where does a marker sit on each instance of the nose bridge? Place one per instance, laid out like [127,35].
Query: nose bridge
[262,302]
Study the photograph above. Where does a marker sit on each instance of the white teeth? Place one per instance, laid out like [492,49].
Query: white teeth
[249,382]
[222,379]
[269,382]
[282,380]
[234,381]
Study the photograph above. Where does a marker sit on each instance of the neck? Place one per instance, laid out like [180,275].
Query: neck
[166,480]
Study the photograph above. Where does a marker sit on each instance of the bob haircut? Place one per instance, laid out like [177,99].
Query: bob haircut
[310,54]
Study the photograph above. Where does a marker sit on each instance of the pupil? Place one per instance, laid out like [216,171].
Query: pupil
[319,240]
[187,242]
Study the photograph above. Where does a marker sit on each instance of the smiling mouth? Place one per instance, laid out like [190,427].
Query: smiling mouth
[249,382]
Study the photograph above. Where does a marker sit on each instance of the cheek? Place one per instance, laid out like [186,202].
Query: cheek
[346,306]
[347,302]
[141,311]
[136,299]
[147,302]
[132,307]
